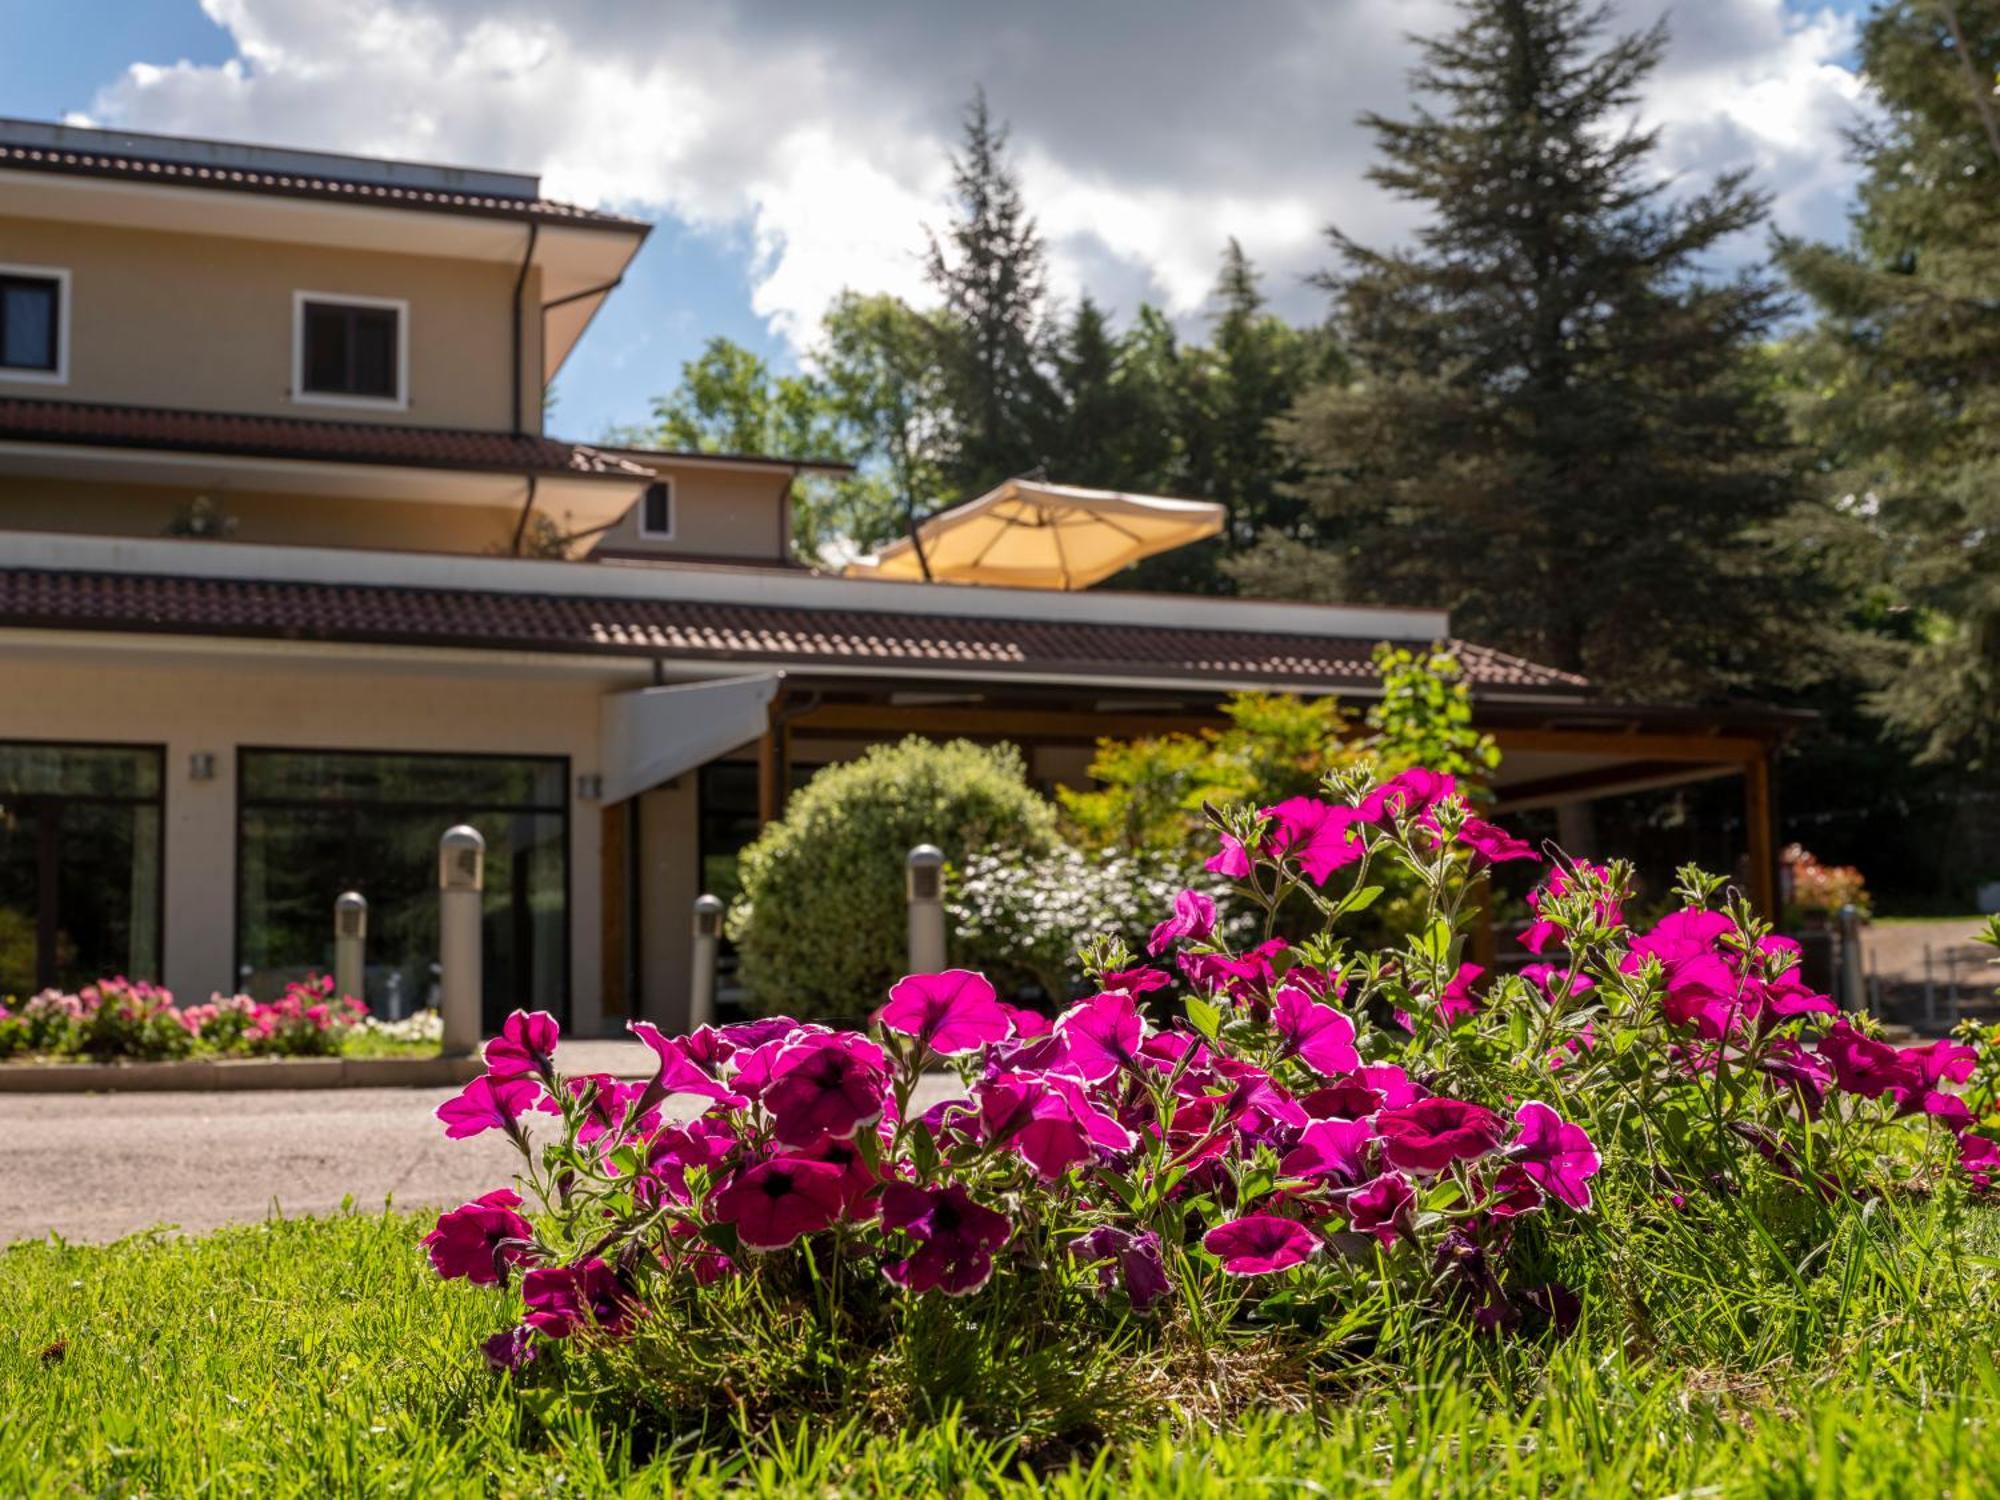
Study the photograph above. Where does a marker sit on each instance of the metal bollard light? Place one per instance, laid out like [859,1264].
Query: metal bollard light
[701,981]
[350,942]
[1852,998]
[461,899]
[923,884]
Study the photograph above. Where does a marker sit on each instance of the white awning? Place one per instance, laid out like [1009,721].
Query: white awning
[1028,534]
[656,734]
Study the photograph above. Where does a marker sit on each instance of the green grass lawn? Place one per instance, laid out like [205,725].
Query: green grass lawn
[322,1358]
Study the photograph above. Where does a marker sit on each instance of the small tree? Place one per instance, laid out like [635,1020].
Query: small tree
[821,923]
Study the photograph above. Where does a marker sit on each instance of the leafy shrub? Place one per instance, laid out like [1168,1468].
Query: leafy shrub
[821,925]
[118,1018]
[1331,1159]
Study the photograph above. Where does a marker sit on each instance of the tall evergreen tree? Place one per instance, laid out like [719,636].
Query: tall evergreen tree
[1902,374]
[991,271]
[1556,432]
[1112,426]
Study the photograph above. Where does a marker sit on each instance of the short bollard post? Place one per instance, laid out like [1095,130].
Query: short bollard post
[701,982]
[461,887]
[923,873]
[350,942]
[1852,996]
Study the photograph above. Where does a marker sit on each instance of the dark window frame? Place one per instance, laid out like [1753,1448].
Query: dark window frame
[567,997]
[664,487]
[44,946]
[56,279]
[352,308]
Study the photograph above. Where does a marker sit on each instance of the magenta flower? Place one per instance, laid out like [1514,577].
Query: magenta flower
[950,1013]
[1556,1154]
[562,1299]
[1139,981]
[489,1103]
[1382,1207]
[1258,1244]
[1542,931]
[1029,1024]
[1491,843]
[1369,1090]
[825,1087]
[511,1350]
[1122,1255]
[1331,1148]
[1682,934]
[1318,835]
[1231,861]
[1979,1158]
[526,1046]
[1101,1035]
[1431,1134]
[775,1202]
[1193,920]
[1511,1193]
[1318,1035]
[605,1102]
[481,1240]
[1408,794]
[955,1236]
[702,1143]
[1458,1002]
[678,1072]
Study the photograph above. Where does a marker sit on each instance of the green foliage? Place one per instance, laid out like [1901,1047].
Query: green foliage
[821,923]
[1150,792]
[1898,387]
[1558,429]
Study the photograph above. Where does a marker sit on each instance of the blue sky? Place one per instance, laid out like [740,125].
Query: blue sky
[787,149]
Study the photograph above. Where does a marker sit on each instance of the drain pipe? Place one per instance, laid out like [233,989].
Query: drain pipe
[520,288]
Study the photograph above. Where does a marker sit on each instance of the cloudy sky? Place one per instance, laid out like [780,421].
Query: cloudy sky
[790,148]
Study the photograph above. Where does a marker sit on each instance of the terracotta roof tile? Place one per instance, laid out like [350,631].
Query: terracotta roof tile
[133,168]
[765,634]
[237,434]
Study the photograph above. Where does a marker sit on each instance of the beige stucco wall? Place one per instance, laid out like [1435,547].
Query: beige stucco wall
[719,513]
[181,320]
[145,510]
[306,699]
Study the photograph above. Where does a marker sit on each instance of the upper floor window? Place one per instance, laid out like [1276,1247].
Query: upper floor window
[351,351]
[34,319]
[656,511]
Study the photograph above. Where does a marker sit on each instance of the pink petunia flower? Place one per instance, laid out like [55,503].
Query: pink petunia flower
[1193,920]
[1318,1035]
[561,1300]
[1336,1149]
[1318,835]
[1511,1193]
[526,1047]
[1370,1089]
[1029,1024]
[1139,981]
[1431,1134]
[489,1103]
[950,1013]
[777,1201]
[1259,1244]
[1558,1155]
[1979,1158]
[678,1072]
[1231,861]
[955,1236]
[1122,1255]
[825,1087]
[1458,1002]
[511,1350]
[1101,1036]
[1492,844]
[1408,794]
[481,1240]
[1382,1207]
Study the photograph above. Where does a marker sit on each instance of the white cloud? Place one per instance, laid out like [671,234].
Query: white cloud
[816,134]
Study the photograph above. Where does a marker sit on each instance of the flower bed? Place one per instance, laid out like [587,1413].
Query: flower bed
[1310,1162]
[121,1019]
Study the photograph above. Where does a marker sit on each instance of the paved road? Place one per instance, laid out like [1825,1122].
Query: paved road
[98,1166]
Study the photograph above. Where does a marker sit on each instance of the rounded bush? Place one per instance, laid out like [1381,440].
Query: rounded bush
[821,923]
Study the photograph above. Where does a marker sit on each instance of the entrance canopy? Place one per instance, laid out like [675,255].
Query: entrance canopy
[1031,535]
[655,734]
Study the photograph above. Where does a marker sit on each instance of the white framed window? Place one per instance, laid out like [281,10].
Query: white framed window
[350,351]
[656,511]
[34,324]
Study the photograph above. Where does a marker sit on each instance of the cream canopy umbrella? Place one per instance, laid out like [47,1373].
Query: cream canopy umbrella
[1031,535]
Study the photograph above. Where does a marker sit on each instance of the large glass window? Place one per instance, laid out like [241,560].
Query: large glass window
[314,823]
[79,864]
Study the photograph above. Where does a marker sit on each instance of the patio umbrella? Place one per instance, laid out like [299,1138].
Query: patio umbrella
[1031,535]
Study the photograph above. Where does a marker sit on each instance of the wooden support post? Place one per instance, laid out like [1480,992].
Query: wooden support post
[1760,822]
[774,758]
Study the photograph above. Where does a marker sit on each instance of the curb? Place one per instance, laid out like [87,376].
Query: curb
[222,1076]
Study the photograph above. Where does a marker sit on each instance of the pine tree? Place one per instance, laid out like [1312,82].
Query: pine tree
[1557,431]
[1112,428]
[991,270]
[1902,375]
